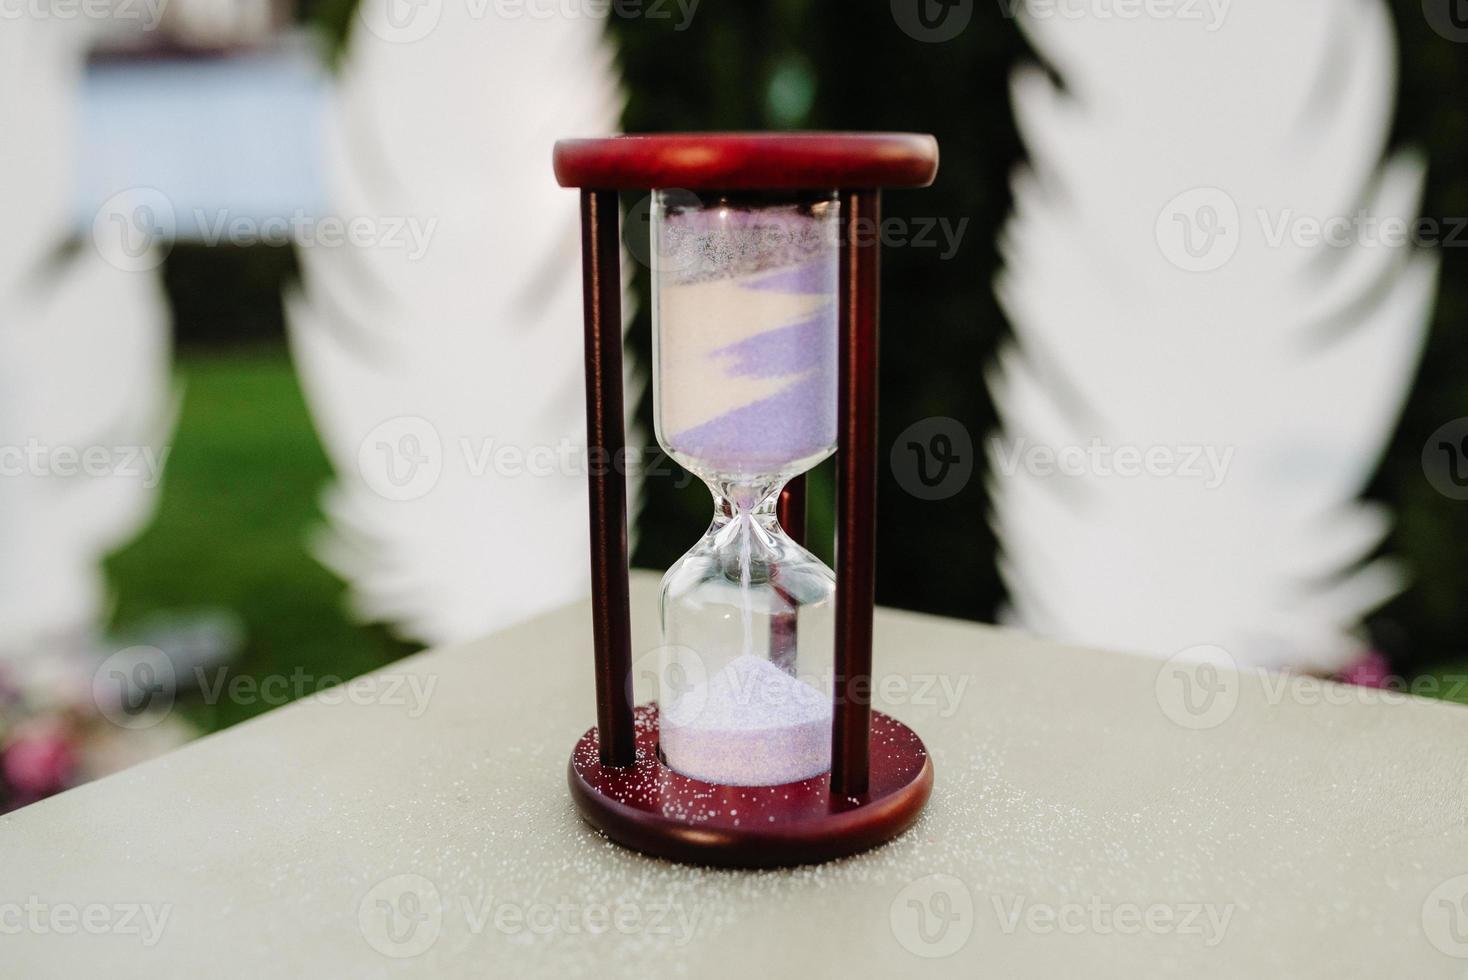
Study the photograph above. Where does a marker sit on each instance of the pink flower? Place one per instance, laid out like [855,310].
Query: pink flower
[1371,669]
[38,761]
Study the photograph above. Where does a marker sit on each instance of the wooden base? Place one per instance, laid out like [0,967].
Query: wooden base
[651,808]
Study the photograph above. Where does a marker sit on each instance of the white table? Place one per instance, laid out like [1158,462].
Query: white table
[1076,829]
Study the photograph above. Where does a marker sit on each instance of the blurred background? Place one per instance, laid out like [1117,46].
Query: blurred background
[241,111]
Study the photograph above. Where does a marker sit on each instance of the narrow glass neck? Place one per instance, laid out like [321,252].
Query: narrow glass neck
[756,501]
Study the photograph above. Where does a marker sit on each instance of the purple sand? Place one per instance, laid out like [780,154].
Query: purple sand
[807,346]
[755,725]
[807,279]
[770,434]
[781,251]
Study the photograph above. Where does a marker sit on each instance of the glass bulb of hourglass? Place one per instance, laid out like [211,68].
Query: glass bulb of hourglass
[744,327]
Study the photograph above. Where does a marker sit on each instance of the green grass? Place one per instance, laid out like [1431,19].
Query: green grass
[239,498]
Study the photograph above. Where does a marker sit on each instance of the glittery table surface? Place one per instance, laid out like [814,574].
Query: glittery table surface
[1094,814]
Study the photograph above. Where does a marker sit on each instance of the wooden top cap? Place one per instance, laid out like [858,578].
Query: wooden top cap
[748,161]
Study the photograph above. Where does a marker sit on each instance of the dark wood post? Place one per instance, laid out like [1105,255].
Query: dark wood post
[790,512]
[791,509]
[606,447]
[856,491]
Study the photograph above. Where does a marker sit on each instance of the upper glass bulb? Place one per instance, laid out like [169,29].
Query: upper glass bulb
[744,385]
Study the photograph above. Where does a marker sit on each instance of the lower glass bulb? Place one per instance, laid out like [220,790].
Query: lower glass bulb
[747,657]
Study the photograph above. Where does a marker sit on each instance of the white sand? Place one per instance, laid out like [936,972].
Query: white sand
[751,724]
[695,320]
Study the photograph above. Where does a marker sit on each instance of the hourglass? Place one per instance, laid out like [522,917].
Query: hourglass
[762,748]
